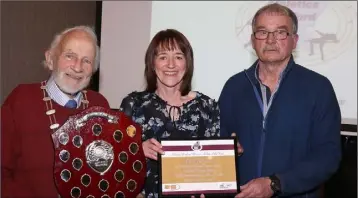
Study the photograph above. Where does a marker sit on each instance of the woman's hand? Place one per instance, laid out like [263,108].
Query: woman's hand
[151,148]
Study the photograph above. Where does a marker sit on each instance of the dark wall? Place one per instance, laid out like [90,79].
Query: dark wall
[27,29]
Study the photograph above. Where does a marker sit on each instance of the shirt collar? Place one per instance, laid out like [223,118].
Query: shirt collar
[58,96]
[253,70]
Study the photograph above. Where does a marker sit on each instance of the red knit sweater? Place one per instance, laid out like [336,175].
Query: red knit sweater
[27,153]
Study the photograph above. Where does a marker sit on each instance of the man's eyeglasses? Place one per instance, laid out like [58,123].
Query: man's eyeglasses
[278,34]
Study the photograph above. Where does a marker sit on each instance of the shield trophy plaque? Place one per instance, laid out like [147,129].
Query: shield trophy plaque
[98,153]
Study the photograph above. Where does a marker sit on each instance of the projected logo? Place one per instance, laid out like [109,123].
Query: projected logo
[326,29]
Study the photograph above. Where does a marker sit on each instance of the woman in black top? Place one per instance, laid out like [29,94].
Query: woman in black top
[168,108]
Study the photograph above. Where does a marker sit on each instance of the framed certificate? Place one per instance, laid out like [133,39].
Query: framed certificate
[198,166]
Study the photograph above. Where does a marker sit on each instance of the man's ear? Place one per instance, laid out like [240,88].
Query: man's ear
[49,60]
[295,40]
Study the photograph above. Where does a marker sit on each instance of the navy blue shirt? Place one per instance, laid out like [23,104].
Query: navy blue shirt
[301,139]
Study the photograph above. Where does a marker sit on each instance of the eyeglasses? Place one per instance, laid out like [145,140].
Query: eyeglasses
[278,34]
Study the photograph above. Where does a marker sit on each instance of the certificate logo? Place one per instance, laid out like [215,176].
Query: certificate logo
[196,146]
[174,187]
[224,186]
[171,187]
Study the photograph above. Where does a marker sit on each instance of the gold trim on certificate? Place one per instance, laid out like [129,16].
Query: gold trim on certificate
[198,166]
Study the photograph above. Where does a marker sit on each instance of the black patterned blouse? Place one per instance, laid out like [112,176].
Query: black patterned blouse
[199,117]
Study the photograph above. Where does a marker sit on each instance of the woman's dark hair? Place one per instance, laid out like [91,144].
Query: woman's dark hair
[169,39]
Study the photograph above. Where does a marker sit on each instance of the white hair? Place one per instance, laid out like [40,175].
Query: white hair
[58,38]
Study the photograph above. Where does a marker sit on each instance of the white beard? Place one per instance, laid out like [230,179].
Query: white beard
[68,89]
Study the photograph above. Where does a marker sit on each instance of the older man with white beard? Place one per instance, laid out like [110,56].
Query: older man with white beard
[33,111]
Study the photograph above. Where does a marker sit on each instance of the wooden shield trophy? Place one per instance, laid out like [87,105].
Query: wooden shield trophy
[98,154]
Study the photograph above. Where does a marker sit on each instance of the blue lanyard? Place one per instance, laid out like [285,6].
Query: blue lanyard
[255,90]
[263,103]
[258,98]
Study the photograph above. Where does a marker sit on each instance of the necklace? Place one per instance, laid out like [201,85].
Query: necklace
[51,113]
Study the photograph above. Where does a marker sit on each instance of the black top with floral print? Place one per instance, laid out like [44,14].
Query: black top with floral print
[199,117]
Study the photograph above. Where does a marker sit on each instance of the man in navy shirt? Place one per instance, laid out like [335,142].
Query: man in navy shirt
[286,117]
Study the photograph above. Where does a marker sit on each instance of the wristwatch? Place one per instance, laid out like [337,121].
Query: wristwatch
[275,184]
